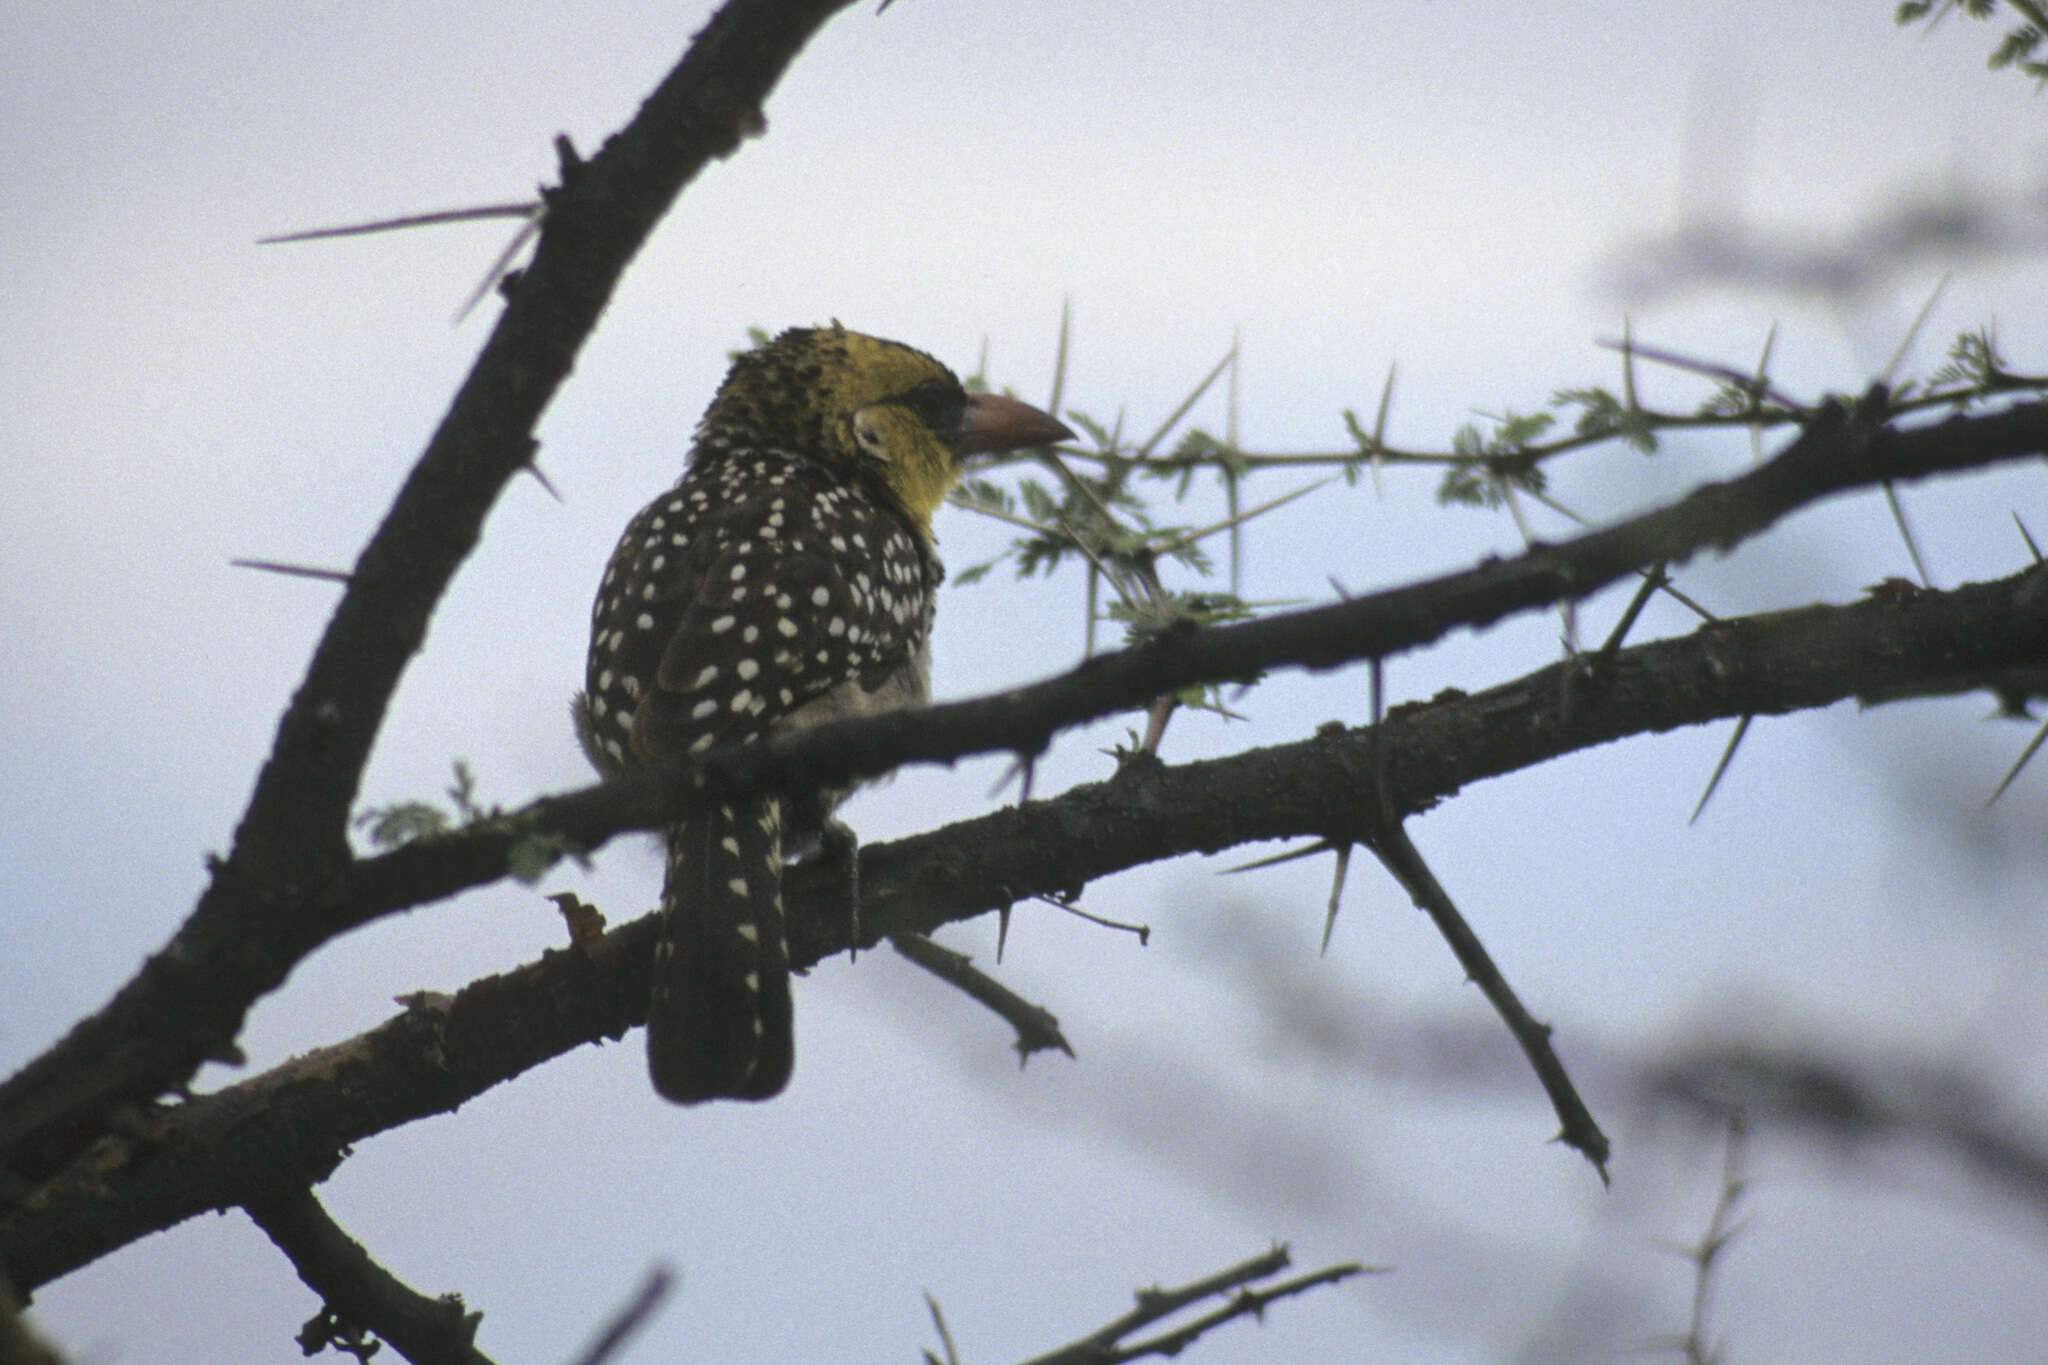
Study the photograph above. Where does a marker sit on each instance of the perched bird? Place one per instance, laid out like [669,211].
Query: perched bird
[788,579]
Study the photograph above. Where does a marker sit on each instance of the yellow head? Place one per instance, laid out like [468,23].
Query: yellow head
[871,407]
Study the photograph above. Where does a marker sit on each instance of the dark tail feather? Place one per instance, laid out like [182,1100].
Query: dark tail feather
[718,1022]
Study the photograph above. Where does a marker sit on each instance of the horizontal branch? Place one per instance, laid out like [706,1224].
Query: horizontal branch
[1024,719]
[218,964]
[1854,1101]
[297,1121]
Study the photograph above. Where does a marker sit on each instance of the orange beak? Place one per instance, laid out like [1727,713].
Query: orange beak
[996,424]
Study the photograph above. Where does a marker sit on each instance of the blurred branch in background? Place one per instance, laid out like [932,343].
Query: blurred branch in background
[1852,1101]
[1953,227]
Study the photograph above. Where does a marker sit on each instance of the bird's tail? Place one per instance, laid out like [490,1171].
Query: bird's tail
[718,1022]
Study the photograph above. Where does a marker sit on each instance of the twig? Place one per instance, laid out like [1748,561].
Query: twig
[1038,1028]
[1391,845]
[1106,1346]
[1706,1255]
[631,1317]
[1247,1303]
[1066,905]
[1748,383]
[358,1290]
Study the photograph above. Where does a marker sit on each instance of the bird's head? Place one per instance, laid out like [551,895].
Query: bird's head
[868,405]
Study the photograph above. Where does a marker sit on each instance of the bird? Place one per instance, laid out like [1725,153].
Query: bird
[788,579]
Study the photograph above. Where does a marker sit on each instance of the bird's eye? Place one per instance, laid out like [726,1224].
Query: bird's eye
[940,406]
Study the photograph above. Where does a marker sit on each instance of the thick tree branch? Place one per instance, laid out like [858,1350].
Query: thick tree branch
[297,1120]
[1024,718]
[189,997]
[1839,452]
[290,859]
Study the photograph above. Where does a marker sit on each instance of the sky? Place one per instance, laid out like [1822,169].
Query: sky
[1456,189]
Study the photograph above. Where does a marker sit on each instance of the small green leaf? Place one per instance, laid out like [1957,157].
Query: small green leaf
[401,823]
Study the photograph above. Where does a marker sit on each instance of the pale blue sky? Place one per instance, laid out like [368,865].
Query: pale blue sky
[1436,185]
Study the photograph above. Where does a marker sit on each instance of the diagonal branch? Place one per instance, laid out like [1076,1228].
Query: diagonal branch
[297,1120]
[1370,627]
[1579,1130]
[1038,1028]
[290,853]
[355,1289]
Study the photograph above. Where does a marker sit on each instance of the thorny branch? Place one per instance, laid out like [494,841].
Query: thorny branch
[1108,1345]
[290,881]
[187,1002]
[1024,719]
[1038,1028]
[356,1291]
[298,1120]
